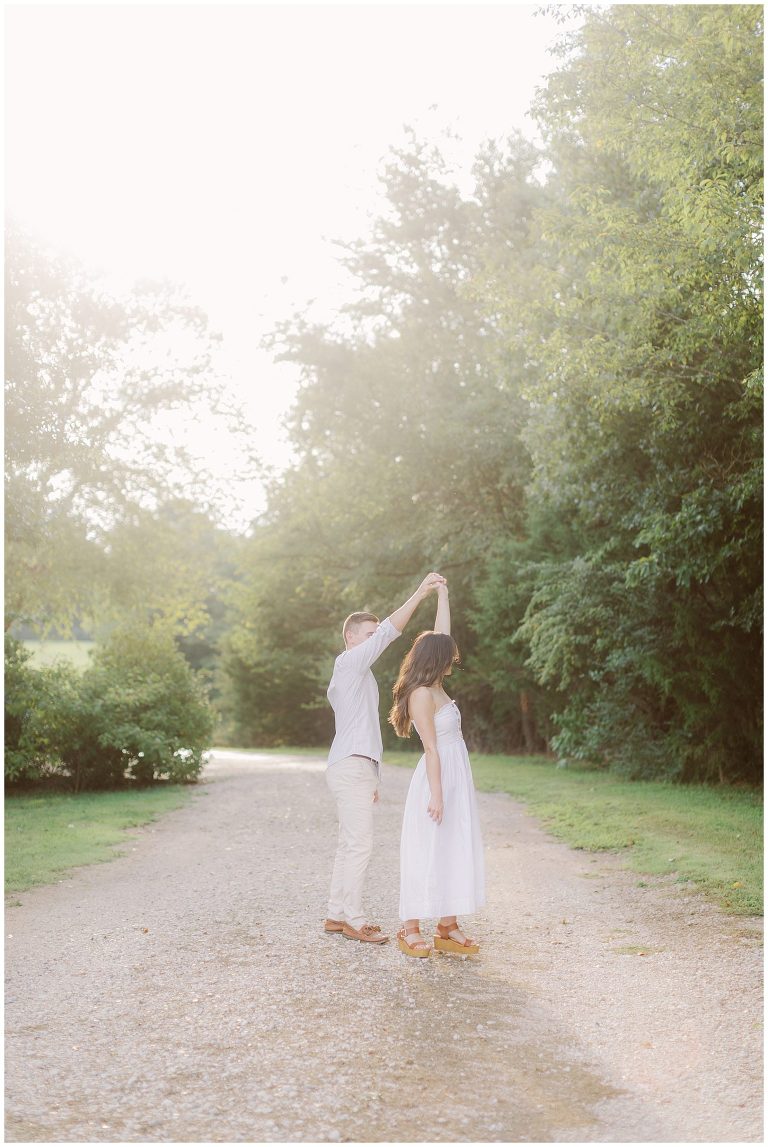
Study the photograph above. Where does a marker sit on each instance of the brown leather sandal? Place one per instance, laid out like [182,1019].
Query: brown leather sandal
[444,942]
[412,949]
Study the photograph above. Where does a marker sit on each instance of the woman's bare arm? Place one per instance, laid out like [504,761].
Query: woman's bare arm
[421,707]
[443,618]
[403,615]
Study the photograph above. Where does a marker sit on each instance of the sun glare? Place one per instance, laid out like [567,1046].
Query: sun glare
[225,148]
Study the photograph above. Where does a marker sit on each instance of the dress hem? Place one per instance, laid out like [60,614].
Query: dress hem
[463,908]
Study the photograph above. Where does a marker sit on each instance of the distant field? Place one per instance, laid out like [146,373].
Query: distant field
[46,652]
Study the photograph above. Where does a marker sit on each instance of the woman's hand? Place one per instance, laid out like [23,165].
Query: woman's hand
[435,807]
[431,581]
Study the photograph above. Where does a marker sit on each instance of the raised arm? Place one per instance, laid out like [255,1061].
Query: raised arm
[443,618]
[421,708]
[361,657]
[403,615]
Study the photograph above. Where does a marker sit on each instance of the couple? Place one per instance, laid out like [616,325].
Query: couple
[441,851]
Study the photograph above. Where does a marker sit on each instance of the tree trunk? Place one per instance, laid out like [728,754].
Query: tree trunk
[525,715]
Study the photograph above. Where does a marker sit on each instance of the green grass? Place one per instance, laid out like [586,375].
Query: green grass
[45,835]
[46,652]
[711,836]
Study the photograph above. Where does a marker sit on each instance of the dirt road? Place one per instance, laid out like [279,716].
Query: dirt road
[185,991]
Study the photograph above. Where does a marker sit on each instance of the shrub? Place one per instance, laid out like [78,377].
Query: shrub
[151,710]
[37,704]
[19,702]
[138,714]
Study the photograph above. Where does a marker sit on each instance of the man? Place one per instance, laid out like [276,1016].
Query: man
[354,762]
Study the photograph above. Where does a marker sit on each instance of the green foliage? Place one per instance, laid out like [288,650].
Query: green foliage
[35,703]
[549,388]
[137,714]
[169,564]
[277,654]
[645,410]
[154,719]
[407,462]
[89,380]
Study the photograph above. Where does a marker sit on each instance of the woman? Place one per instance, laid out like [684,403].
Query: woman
[442,871]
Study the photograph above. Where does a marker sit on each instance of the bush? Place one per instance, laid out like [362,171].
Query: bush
[138,714]
[647,687]
[36,704]
[154,714]
[19,701]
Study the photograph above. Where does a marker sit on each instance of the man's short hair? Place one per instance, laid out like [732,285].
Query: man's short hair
[354,620]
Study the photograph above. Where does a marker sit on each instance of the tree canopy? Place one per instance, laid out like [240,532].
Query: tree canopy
[549,388]
[548,385]
[94,479]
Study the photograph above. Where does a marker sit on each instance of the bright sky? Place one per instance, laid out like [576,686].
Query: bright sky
[225,146]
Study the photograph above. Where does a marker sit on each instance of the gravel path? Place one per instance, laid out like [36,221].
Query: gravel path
[184,991]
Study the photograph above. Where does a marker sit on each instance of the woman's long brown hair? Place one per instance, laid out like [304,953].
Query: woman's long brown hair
[427,662]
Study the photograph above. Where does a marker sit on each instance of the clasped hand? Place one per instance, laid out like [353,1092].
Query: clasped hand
[432,581]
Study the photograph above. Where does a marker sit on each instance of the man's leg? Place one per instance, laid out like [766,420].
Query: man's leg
[353,783]
[336,895]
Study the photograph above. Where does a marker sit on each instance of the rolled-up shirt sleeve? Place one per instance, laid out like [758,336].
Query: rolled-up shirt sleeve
[361,657]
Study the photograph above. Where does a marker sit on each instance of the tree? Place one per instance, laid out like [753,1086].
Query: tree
[550,389]
[89,380]
[406,427]
[645,420]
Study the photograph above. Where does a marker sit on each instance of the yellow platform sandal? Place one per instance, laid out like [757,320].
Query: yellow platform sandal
[419,947]
[444,941]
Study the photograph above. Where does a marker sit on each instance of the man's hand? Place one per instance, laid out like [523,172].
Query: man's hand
[403,615]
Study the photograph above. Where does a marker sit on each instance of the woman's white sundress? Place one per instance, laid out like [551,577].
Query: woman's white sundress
[442,868]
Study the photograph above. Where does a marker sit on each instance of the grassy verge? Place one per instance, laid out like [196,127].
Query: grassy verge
[45,835]
[711,836]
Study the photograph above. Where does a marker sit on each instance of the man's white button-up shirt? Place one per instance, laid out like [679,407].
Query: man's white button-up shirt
[354,697]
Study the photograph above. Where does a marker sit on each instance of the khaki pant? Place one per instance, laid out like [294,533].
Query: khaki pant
[352,782]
